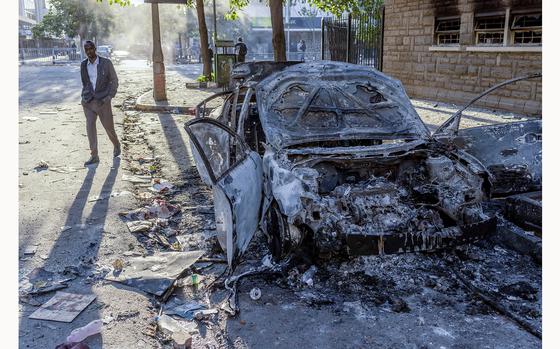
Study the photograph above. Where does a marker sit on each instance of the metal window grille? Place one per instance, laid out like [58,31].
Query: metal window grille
[527,37]
[490,30]
[527,29]
[447,31]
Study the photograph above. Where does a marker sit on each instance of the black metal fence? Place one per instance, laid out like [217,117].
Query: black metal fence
[354,38]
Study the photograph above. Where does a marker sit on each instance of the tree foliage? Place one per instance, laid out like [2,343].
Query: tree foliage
[75,17]
[339,7]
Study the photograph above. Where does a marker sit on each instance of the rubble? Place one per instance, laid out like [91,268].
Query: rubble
[172,327]
[155,274]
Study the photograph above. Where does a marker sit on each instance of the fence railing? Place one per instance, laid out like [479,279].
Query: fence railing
[354,38]
[48,55]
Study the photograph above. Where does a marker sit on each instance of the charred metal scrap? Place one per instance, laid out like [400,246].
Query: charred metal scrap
[335,155]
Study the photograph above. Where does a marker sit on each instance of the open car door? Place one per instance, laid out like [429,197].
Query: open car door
[234,172]
[511,152]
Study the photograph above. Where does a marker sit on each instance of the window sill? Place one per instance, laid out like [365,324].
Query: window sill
[445,48]
[504,48]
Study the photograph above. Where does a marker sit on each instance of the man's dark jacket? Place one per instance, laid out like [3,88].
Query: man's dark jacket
[107,81]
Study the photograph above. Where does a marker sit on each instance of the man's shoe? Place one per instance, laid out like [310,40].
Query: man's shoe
[94,159]
[117,151]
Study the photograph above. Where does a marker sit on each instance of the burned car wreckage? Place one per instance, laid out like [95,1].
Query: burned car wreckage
[334,156]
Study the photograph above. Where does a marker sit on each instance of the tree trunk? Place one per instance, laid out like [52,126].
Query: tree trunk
[278,39]
[157,57]
[203,32]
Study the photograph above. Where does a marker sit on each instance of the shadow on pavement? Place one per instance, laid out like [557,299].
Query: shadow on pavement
[75,247]
[175,142]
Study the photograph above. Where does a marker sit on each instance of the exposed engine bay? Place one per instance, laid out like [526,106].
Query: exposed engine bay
[422,196]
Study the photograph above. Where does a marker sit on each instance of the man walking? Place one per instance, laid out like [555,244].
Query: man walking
[240,50]
[99,86]
[301,49]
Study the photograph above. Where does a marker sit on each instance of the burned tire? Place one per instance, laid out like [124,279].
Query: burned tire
[283,238]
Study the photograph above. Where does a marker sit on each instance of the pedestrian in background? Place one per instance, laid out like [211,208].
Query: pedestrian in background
[301,49]
[99,86]
[240,50]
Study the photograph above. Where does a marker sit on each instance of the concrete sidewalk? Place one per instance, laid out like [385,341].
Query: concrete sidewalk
[180,100]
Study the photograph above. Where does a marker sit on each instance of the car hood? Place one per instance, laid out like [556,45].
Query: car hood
[328,100]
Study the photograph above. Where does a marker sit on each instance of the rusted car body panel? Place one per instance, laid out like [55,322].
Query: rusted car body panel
[348,164]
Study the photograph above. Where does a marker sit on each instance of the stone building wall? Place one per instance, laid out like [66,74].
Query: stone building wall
[458,73]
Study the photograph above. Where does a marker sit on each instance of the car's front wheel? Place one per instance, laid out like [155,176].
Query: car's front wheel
[283,238]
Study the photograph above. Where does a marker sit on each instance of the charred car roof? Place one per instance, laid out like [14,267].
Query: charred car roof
[328,100]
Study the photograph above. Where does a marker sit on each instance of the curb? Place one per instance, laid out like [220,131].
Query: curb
[162,108]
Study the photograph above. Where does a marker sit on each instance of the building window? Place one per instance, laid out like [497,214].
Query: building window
[447,31]
[489,30]
[527,29]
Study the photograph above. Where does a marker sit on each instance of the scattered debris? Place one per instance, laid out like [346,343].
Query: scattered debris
[118,264]
[170,326]
[205,313]
[399,306]
[161,186]
[137,179]
[158,209]
[139,226]
[181,340]
[307,277]
[186,310]
[43,281]
[163,209]
[81,333]
[63,307]
[255,293]
[29,300]
[155,274]
[121,193]
[41,166]
[30,250]
[193,280]
[145,195]
[64,170]
[98,198]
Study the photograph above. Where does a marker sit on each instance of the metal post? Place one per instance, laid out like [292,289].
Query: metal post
[180,47]
[288,25]
[348,37]
[215,39]
[382,31]
[157,58]
[322,38]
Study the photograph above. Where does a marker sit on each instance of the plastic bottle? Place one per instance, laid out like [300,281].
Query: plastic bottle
[81,333]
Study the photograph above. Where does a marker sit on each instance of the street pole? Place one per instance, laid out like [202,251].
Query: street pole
[288,25]
[215,37]
[157,58]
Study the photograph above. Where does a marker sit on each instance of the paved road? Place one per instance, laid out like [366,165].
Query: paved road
[52,129]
